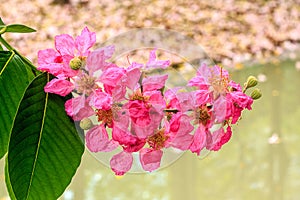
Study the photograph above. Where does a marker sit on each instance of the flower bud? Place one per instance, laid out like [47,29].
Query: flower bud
[76,63]
[256,94]
[86,124]
[251,82]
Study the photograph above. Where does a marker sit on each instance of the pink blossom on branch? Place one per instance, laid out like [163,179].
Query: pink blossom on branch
[132,108]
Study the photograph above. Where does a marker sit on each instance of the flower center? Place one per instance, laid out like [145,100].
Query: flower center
[77,62]
[137,95]
[202,115]
[106,116]
[219,84]
[86,84]
[157,141]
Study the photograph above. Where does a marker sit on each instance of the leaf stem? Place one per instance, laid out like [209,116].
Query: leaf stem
[10,48]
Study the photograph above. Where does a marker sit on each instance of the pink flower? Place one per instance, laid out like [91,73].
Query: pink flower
[57,61]
[215,79]
[146,112]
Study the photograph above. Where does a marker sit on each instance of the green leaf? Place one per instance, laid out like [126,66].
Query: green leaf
[1,48]
[45,149]
[15,75]
[19,28]
[1,22]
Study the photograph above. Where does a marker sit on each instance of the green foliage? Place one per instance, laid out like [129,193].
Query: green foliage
[19,28]
[1,22]
[14,28]
[15,75]
[45,149]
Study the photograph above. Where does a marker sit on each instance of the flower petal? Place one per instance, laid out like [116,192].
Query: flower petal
[108,51]
[220,108]
[150,159]
[85,41]
[154,64]
[65,45]
[100,100]
[121,163]
[199,141]
[95,61]
[220,138]
[151,83]
[61,87]
[77,108]
[97,140]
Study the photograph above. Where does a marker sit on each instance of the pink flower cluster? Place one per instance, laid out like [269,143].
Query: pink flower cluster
[134,110]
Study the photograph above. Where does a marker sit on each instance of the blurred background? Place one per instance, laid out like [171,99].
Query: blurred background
[260,38]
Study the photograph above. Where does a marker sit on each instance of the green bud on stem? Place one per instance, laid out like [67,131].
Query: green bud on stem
[251,82]
[86,124]
[256,94]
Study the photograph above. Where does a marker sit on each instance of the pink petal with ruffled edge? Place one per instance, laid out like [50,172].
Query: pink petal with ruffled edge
[65,44]
[95,61]
[150,159]
[61,87]
[108,51]
[139,113]
[203,97]
[48,56]
[77,108]
[220,108]
[85,41]
[199,141]
[151,83]
[179,130]
[129,142]
[220,138]
[97,140]
[199,82]
[121,163]
[100,100]
[112,75]
[132,77]
[154,64]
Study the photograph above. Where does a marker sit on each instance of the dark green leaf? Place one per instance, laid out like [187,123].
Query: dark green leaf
[45,149]
[19,28]
[1,22]
[15,75]
[1,48]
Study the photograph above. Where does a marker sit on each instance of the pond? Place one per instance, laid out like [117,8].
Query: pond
[261,161]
